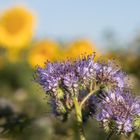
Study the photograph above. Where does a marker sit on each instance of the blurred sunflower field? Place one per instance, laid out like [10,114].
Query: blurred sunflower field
[24,111]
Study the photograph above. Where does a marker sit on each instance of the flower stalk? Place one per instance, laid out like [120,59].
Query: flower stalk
[110,135]
[132,136]
[88,96]
[79,119]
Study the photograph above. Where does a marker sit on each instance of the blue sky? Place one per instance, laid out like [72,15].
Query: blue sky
[67,19]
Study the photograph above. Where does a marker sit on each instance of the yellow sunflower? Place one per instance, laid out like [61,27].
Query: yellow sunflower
[42,51]
[80,47]
[16,27]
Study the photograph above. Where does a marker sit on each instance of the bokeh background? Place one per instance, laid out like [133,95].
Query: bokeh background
[33,31]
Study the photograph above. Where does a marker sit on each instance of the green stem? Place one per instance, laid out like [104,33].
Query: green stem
[110,135]
[79,119]
[88,96]
[132,136]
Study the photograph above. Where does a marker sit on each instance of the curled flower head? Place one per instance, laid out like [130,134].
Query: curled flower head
[111,75]
[85,69]
[117,111]
[47,78]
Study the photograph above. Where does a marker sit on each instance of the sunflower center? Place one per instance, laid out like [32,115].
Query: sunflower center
[13,22]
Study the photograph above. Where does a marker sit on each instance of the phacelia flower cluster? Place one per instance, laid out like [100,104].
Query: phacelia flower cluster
[72,75]
[113,107]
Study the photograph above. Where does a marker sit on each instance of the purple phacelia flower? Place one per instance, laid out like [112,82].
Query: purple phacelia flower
[48,78]
[117,111]
[111,75]
[70,80]
[86,68]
